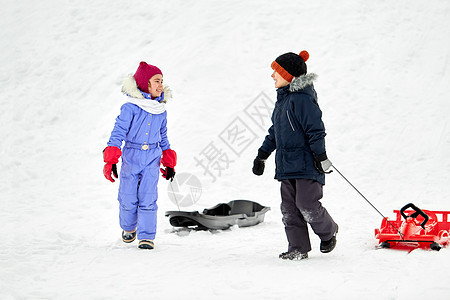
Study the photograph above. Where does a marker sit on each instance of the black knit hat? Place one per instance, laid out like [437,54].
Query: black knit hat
[290,65]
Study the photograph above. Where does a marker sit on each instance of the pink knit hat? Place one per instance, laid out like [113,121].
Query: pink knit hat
[143,75]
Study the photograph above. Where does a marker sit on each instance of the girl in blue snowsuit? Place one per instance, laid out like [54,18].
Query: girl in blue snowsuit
[142,125]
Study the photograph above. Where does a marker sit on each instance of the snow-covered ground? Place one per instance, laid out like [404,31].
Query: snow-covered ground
[383,87]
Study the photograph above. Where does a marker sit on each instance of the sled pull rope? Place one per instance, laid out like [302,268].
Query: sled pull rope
[173,193]
[401,235]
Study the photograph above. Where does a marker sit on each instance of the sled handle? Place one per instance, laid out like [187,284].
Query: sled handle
[418,212]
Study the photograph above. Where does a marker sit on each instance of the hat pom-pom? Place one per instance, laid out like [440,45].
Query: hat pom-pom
[305,55]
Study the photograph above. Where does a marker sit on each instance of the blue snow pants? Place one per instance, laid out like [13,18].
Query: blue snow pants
[138,191]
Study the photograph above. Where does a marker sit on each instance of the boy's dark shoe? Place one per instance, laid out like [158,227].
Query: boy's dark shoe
[328,246]
[293,255]
[128,236]
[146,244]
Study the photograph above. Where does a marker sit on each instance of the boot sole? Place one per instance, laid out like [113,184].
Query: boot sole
[128,241]
[143,244]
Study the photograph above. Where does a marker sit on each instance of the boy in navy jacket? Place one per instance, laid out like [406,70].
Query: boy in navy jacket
[298,136]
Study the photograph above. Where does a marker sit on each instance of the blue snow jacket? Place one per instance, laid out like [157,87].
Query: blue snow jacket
[137,124]
[297,133]
[139,127]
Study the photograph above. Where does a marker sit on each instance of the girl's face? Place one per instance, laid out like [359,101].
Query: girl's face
[155,86]
[279,81]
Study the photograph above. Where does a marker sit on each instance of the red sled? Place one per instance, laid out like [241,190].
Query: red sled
[423,229]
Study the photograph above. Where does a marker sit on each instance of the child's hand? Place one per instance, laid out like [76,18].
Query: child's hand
[169,161]
[258,166]
[259,162]
[322,163]
[168,173]
[111,157]
[110,170]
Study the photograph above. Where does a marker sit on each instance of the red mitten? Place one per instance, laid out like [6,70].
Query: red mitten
[169,158]
[111,157]
[109,170]
[111,154]
[169,161]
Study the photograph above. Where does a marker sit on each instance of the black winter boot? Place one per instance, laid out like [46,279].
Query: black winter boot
[128,236]
[146,244]
[293,255]
[328,246]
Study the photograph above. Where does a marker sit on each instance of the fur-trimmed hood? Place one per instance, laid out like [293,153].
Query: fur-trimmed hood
[130,88]
[299,83]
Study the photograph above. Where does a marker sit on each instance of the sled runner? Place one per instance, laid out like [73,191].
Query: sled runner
[420,229]
[243,213]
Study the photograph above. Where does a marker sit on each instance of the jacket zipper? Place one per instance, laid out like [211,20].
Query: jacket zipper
[289,119]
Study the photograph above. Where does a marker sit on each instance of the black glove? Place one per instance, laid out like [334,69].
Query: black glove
[322,163]
[114,170]
[259,162]
[168,173]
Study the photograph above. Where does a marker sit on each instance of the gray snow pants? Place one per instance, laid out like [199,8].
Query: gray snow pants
[300,205]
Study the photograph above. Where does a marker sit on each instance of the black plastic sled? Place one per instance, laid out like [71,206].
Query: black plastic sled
[243,213]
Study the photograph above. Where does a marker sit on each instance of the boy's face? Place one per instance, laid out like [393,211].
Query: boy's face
[279,81]
[155,85]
